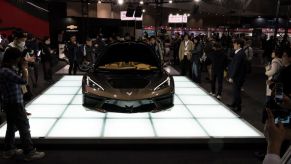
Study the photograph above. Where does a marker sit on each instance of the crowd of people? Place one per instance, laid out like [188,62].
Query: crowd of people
[226,58]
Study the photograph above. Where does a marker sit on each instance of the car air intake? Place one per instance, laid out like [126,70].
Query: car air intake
[128,83]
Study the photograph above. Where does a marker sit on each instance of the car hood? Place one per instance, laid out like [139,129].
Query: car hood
[128,51]
[130,87]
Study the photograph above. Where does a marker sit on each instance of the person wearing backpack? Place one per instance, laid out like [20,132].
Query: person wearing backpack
[272,69]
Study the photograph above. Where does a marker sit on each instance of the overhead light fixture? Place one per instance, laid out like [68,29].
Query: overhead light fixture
[89,3]
[170,1]
[99,1]
[120,2]
[197,0]
[188,14]
[143,10]
[141,2]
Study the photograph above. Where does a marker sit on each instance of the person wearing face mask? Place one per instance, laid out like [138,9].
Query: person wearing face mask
[10,86]
[46,59]
[19,43]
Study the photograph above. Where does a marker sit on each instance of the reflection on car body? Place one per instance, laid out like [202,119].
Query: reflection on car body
[128,78]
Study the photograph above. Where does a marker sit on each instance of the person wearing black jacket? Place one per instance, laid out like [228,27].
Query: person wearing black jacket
[237,73]
[72,52]
[219,63]
[46,59]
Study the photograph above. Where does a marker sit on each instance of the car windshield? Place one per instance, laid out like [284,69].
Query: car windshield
[128,55]
[127,66]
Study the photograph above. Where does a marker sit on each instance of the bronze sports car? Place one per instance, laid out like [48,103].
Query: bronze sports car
[128,78]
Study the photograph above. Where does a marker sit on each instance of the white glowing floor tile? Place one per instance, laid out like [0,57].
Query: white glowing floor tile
[180,78]
[68,84]
[38,127]
[45,111]
[79,111]
[72,78]
[190,91]
[184,128]
[228,128]
[53,100]
[80,92]
[78,100]
[185,84]
[193,99]
[128,115]
[77,128]
[177,111]
[177,100]
[210,111]
[62,91]
[140,128]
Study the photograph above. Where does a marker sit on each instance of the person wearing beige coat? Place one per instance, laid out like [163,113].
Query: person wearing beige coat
[185,55]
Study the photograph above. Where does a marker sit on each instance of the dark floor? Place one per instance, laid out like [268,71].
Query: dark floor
[253,103]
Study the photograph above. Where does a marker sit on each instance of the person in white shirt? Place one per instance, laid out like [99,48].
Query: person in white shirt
[272,69]
[185,55]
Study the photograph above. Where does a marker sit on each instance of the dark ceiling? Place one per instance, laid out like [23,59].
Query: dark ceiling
[220,7]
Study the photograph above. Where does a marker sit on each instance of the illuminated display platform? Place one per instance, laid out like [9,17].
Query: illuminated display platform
[58,114]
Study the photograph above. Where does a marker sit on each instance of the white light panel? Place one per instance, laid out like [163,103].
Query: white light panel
[180,78]
[190,91]
[45,111]
[210,111]
[128,115]
[58,113]
[38,127]
[178,111]
[72,78]
[53,100]
[78,100]
[178,128]
[79,111]
[77,128]
[226,128]
[193,99]
[185,84]
[62,91]
[68,84]
[177,100]
[128,128]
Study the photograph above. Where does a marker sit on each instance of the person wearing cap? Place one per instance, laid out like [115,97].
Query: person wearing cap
[13,105]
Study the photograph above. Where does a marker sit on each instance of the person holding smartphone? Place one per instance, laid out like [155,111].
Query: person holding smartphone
[13,105]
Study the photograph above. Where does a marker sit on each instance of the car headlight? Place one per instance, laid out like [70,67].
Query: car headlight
[163,84]
[93,84]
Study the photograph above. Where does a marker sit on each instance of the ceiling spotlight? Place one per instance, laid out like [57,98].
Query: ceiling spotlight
[143,10]
[99,1]
[141,2]
[197,0]
[170,1]
[120,2]
[188,14]
[89,3]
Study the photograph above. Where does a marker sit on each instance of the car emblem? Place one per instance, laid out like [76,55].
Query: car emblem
[129,93]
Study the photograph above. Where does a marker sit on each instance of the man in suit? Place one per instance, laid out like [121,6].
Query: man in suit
[237,73]
[72,52]
[185,55]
